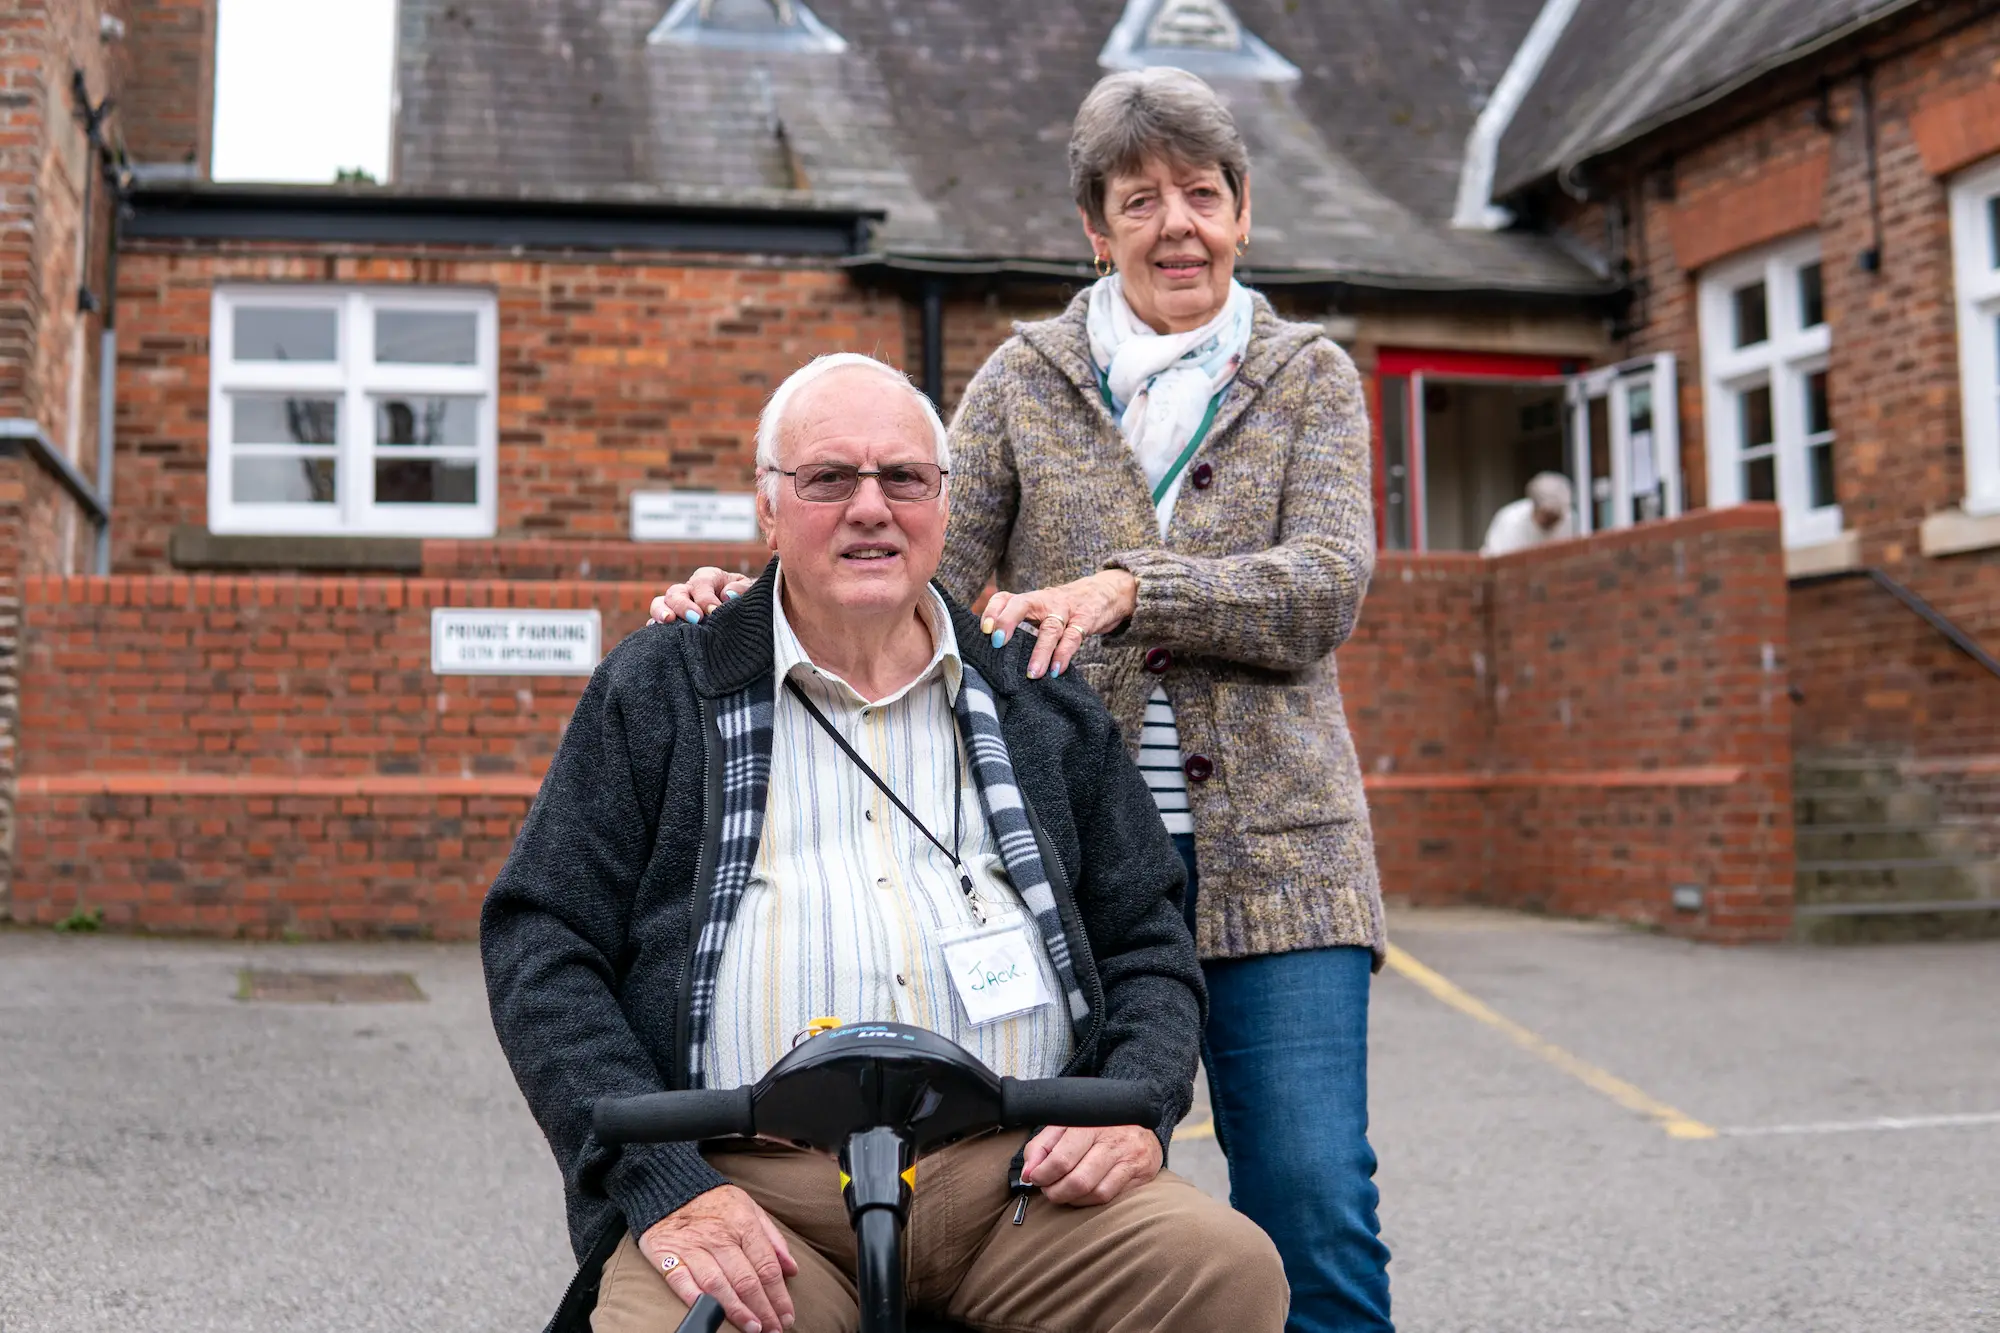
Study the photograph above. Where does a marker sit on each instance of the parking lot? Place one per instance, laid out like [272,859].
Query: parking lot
[1580,1127]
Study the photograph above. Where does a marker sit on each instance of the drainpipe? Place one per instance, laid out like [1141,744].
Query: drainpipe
[934,342]
[107,372]
[1475,210]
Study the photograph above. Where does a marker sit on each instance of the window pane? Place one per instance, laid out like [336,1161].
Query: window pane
[1753,322]
[281,481]
[428,422]
[1818,422]
[262,333]
[1753,411]
[1812,301]
[426,337]
[1819,463]
[1993,228]
[1760,478]
[278,419]
[424,481]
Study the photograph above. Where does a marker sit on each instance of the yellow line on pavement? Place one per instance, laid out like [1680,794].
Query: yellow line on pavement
[1195,1129]
[1678,1124]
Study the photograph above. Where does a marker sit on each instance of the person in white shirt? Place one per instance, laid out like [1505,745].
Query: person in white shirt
[1543,515]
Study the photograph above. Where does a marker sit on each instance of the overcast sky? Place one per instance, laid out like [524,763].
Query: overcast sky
[303,88]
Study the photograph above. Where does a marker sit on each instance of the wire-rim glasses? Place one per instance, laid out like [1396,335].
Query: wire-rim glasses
[832,483]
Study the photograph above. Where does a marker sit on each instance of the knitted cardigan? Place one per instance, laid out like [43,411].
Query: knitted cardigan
[1241,606]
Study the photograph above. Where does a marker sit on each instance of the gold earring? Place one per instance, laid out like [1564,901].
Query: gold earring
[1243,245]
[1103,266]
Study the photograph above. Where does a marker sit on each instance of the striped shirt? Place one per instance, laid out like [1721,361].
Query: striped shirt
[1160,763]
[847,904]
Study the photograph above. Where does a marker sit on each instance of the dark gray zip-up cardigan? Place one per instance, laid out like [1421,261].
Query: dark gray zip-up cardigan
[587,932]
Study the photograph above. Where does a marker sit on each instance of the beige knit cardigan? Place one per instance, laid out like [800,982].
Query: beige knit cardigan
[1259,579]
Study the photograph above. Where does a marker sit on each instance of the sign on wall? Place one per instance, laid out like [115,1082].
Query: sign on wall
[693,516]
[467,641]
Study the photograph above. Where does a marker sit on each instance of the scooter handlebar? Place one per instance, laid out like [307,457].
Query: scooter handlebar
[1080,1102]
[674,1117]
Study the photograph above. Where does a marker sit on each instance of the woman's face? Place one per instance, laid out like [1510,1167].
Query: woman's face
[1172,228]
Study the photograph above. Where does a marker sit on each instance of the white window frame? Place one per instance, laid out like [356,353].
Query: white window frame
[1973,247]
[1788,356]
[354,378]
[1616,383]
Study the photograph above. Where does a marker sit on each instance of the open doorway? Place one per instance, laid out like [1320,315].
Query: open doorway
[1483,440]
[1460,435]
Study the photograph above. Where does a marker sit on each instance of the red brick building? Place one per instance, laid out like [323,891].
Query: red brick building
[336,410]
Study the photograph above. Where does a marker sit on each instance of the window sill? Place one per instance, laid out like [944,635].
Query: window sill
[197,548]
[1834,557]
[1953,532]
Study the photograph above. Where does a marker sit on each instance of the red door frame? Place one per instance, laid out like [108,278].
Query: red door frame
[1413,361]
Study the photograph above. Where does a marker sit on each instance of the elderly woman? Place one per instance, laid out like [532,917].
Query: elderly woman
[1178,478]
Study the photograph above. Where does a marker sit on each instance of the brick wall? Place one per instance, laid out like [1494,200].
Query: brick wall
[1575,729]
[1580,728]
[256,755]
[168,84]
[1874,678]
[615,376]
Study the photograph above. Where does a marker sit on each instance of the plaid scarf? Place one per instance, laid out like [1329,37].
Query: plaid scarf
[745,723]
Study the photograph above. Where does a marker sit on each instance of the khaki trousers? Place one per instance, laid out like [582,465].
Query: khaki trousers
[1163,1257]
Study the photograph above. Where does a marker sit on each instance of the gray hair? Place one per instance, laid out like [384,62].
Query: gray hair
[1550,492]
[1141,113]
[771,423]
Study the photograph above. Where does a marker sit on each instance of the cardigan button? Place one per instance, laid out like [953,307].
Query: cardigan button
[1203,477]
[1158,660]
[1199,767]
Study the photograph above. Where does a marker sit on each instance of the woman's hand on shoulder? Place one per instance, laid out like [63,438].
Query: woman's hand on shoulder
[1065,614]
[704,590]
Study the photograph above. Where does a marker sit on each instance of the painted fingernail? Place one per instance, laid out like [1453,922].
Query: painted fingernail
[732,596]
[986,625]
[999,638]
[693,617]
[1055,669]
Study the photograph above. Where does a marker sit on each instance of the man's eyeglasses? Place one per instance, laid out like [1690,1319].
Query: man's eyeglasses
[831,483]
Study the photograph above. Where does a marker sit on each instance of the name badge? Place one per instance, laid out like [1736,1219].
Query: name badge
[995,970]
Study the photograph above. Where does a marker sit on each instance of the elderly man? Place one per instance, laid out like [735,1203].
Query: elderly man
[707,870]
[1543,515]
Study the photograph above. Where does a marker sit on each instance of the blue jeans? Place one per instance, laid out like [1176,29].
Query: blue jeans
[1287,1057]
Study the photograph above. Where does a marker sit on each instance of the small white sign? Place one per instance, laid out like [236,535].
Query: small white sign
[693,516]
[477,642]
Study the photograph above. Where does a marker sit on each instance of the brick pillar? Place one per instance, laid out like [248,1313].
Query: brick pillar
[13,496]
[167,99]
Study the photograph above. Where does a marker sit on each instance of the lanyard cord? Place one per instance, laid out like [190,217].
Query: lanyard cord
[957,803]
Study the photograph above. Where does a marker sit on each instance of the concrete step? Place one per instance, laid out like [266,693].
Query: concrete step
[1869,842]
[1906,923]
[1815,806]
[1888,880]
[1849,774]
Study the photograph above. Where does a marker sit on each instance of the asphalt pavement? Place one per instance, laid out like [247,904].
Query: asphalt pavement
[1580,1127]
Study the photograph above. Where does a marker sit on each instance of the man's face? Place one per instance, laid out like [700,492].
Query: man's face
[866,553]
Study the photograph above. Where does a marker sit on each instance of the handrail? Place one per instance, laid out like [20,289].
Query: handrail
[1922,609]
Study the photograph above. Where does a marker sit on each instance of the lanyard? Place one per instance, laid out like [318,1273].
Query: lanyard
[957,802]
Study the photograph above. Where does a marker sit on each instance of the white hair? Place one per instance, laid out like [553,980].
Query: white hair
[771,423]
[1550,492]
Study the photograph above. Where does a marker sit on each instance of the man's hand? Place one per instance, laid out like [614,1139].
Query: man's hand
[1086,1167]
[727,1246]
[701,594]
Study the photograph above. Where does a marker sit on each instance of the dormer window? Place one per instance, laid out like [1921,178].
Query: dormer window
[746,25]
[1201,36]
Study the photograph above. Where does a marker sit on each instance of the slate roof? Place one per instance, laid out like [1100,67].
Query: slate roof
[953,116]
[1623,67]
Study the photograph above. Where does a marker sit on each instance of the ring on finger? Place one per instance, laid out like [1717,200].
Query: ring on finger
[1054,620]
[669,1262]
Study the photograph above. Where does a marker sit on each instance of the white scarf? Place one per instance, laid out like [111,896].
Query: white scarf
[1161,383]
